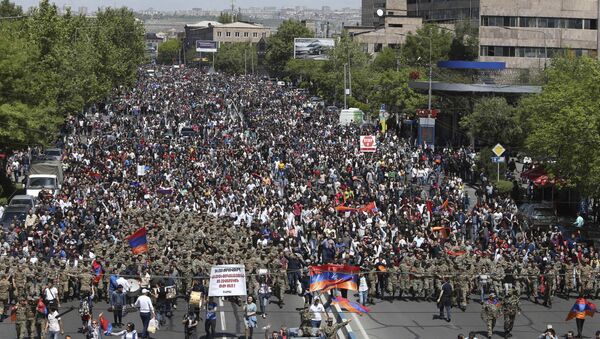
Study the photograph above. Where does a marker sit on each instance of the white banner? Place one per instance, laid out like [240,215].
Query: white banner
[368,143]
[141,170]
[227,280]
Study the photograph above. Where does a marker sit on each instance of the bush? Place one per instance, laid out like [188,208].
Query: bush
[3,201]
[504,187]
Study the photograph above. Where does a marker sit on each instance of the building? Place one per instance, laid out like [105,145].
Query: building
[443,10]
[384,24]
[153,42]
[225,33]
[527,33]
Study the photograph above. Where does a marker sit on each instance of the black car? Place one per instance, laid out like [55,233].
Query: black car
[14,213]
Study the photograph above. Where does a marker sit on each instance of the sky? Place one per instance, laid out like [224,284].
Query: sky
[186,4]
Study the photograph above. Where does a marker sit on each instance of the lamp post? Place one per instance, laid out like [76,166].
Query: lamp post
[532,30]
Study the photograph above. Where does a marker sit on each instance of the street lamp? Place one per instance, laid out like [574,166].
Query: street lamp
[532,30]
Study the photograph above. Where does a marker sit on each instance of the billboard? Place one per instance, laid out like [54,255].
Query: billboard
[312,48]
[206,46]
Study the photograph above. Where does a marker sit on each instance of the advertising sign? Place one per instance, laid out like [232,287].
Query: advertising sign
[368,143]
[227,280]
[312,48]
[206,46]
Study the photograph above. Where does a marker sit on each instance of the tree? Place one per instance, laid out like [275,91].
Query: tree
[465,44]
[235,58]
[227,18]
[9,9]
[280,47]
[564,122]
[169,51]
[492,121]
[391,88]
[416,48]
[387,59]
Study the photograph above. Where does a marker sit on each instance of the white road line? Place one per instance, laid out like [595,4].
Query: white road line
[222,316]
[361,329]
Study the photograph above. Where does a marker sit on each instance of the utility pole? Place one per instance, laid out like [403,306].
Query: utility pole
[245,71]
[430,74]
[349,72]
[345,87]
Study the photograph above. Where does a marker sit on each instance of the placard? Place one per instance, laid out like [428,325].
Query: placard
[227,280]
[368,143]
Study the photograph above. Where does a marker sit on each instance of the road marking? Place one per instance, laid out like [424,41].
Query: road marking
[222,316]
[361,329]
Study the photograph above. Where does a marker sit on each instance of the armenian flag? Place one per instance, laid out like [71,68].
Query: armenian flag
[369,208]
[105,325]
[41,307]
[98,271]
[581,309]
[351,306]
[330,276]
[138,241]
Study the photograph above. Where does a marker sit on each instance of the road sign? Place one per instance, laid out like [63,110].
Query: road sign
[498,150]
[368,143]
[497,160]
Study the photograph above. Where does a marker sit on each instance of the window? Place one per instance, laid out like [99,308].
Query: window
[590,24]
[245,34]
[377,48]
[219,33]
[227,33]
[498,51]
[254,34]
[527,22]
[237,34]
[396,25]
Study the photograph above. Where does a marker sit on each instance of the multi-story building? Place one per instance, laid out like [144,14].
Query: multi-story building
[225,33]
[527,33]
[444,10]
[384,24]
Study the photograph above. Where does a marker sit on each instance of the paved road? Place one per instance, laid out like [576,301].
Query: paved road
[229,320]
[408,319]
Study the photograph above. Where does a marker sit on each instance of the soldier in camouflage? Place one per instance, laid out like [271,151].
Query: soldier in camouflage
[510,308]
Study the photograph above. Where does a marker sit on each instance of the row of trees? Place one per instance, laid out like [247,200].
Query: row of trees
[52,65]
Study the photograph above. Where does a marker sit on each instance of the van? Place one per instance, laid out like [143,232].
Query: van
[351,115]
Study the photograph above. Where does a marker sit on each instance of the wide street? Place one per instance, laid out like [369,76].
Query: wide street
[398,319]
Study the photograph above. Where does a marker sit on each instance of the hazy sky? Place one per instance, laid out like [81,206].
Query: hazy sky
[186,4]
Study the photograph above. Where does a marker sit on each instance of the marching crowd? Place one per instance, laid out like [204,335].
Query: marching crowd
[229,170]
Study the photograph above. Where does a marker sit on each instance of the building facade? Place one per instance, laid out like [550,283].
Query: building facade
[528,33]
[234,32]
[443,10]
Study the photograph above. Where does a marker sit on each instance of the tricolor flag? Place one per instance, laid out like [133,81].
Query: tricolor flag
[369,208]
[327,277]
[98,271]
[350,306]
[138,241]
[41,307]
[105,325]
[581,309]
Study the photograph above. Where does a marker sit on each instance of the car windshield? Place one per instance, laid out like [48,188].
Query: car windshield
[53,152]
[10,215]
[41,182]
[547,212]
[20,202]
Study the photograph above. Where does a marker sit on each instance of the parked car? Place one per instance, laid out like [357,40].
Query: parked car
[22,200]
[187,132]
[539,214]
[53,154]
[14,213]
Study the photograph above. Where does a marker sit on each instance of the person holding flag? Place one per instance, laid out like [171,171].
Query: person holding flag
[581,309]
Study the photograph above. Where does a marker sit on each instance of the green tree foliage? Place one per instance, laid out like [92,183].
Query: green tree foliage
[9,9]
[168,52]
[231,58]
[227,18]
[52,65]
[416,48]
[492,121]
[387,59]
[465,43]
[280,47]
[391,88]
[565,122]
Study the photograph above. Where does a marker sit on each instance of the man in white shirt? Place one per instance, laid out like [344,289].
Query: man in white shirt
[144,303]
[317,311]
[51,295]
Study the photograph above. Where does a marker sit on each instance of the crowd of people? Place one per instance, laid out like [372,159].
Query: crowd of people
[229,170]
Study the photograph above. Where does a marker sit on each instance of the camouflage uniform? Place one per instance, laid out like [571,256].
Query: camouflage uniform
[510,308]
[4,295]
[21,318]
[330,330]
[404,278]
[417,280]
[489,313]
